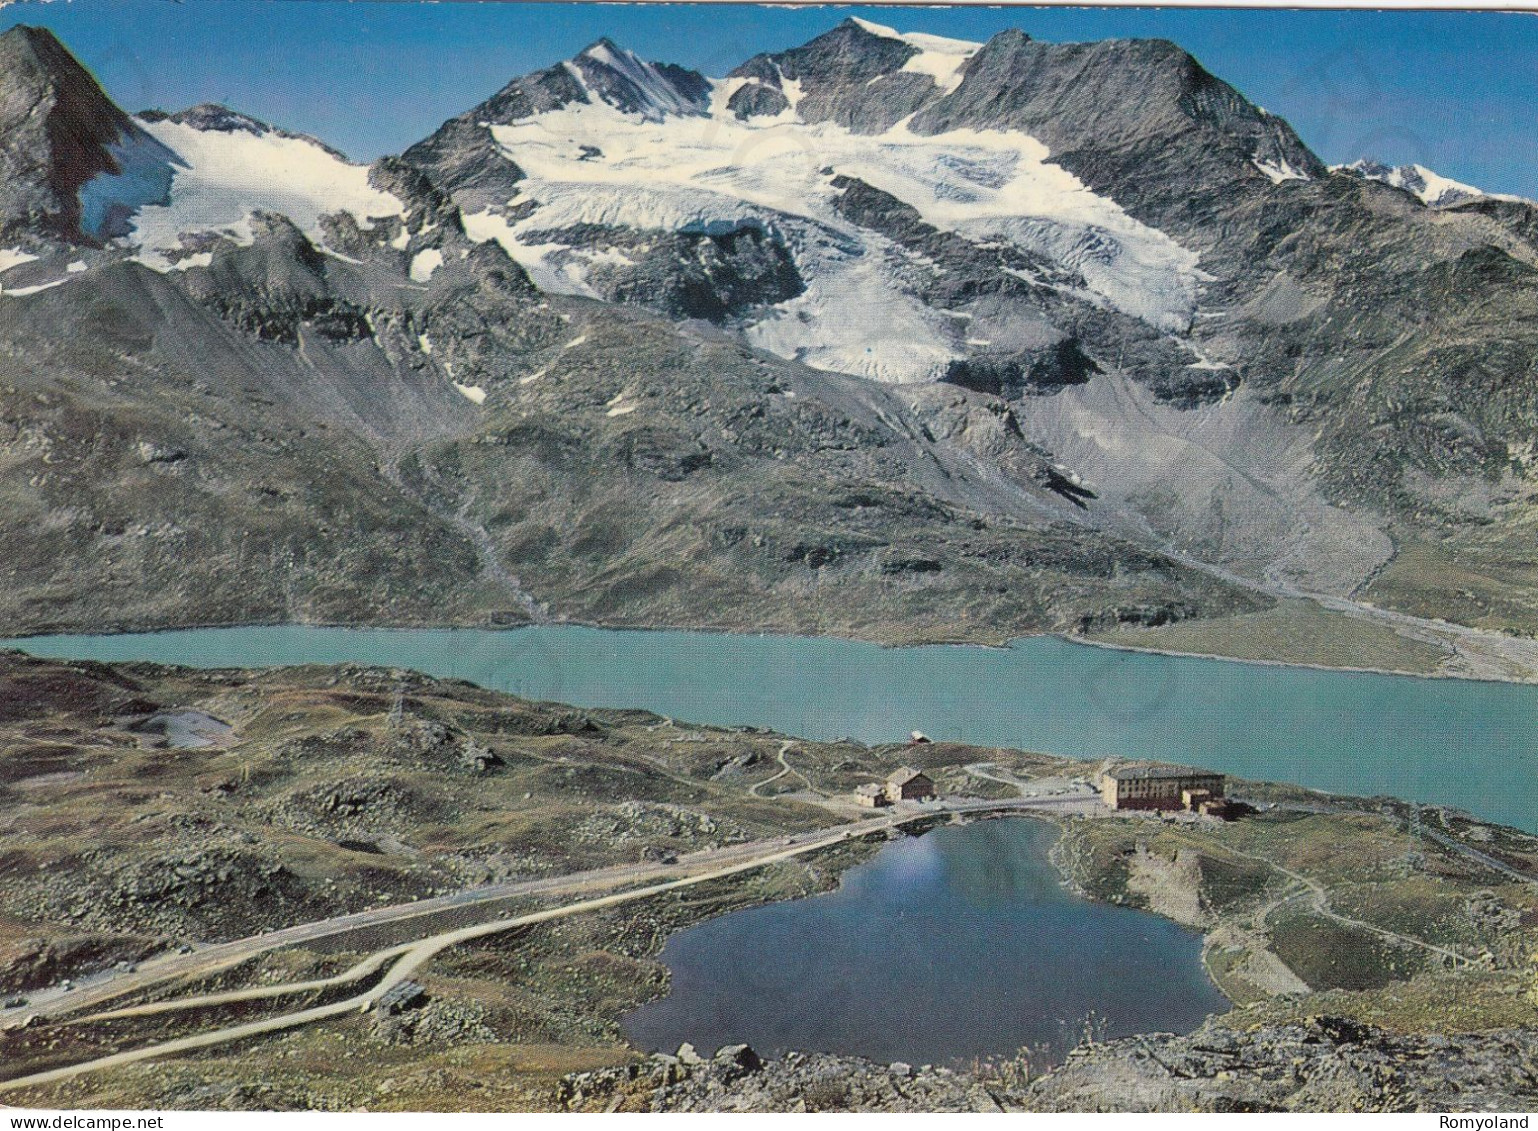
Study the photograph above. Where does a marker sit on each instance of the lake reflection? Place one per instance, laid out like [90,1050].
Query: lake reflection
[957,944]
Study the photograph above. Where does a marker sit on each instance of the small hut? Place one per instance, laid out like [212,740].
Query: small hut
[872,795]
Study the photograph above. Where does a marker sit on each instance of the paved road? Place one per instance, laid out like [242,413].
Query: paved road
[412,956]
[1478,857]
[209,960]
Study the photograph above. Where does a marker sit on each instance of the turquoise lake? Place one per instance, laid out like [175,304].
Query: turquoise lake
[952,945]
[1446,742]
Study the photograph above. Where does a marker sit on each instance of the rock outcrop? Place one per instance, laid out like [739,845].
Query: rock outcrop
[58,132]
[1325,1065]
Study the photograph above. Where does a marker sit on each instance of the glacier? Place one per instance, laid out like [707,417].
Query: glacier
[706,171]
[178,178]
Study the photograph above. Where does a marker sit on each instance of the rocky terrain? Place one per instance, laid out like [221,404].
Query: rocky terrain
[1326,1064]
[736,1079]
[1041,338]
[144,809]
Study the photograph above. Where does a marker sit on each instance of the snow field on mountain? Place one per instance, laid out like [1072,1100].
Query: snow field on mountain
[14,257]
[714,174]
[1432,188]
[222,177]
[939,58]
[145,171]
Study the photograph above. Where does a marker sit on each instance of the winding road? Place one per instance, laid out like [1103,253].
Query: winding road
[410,957]
[399,961]
[786,769]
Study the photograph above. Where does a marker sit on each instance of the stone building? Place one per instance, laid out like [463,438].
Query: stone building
[1150,785]
[871,794]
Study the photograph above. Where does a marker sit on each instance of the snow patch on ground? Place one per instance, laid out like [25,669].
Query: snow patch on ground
[549,265]
[1279,171]
[794,93]
[853,319]
[14,257]
[472,393]
[424,263]
[219,179]
[21,292]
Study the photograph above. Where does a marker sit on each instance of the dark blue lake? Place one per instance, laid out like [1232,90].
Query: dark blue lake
[1439,741]
[957,944]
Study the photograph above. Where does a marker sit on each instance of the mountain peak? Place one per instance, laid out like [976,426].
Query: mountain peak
[854,23]
[44,46]
[619,77]
[602,46]
[61,132]
[215,117]
[1140,120]
[1429,187]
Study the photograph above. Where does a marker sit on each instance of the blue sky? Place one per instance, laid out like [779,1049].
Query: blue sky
[1455,91]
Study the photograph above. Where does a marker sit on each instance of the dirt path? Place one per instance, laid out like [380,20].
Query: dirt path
[979,770]
[1319,897]
[780,758]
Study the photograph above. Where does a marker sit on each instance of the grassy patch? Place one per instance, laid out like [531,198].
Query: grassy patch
[1295,632]
[1328,954]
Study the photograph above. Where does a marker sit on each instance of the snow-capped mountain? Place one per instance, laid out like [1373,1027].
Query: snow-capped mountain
[61,133]
[85,171]
[607,174]
[601,187]
[1432,188]
[1053,333]
[788,199]
[222,169]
